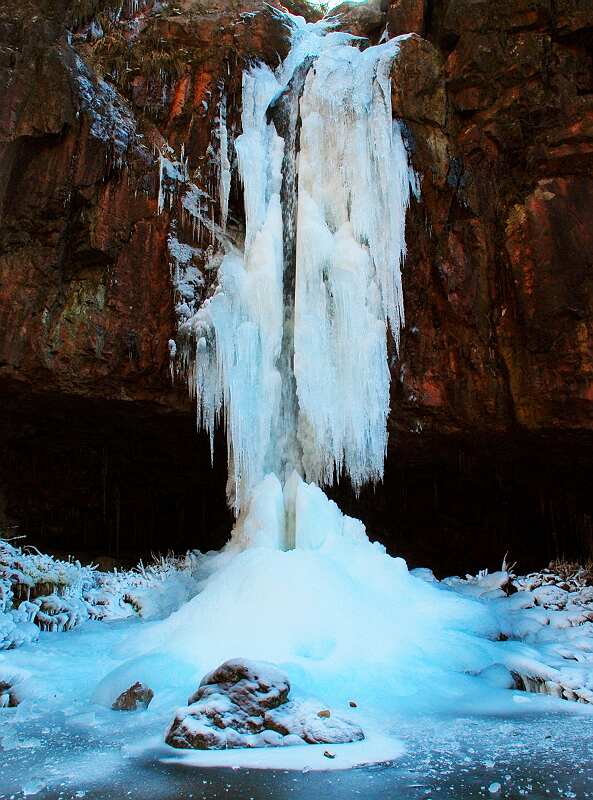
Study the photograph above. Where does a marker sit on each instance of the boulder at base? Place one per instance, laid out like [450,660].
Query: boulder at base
[245,704]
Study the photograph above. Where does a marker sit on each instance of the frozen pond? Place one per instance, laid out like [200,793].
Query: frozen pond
[535,757]
[63,746]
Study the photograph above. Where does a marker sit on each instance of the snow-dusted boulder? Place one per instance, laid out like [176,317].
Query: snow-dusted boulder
[9,697]
[245,704]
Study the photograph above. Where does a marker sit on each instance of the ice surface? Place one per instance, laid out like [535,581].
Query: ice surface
[350,624]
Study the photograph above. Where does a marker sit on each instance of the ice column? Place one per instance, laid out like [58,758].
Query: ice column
[292,346]
[238,331]
[354,185]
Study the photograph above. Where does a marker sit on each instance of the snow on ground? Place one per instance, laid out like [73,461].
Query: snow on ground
[65,739]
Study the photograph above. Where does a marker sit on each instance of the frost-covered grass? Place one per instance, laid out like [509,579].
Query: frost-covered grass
[40,592]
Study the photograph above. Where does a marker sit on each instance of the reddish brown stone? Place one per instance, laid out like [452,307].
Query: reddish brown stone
[497,110]
[406,16]
[362,19]
[136,696]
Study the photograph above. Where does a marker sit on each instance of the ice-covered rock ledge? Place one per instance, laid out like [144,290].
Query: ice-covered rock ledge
[245,703]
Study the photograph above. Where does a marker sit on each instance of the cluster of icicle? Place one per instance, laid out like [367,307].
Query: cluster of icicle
[354,183]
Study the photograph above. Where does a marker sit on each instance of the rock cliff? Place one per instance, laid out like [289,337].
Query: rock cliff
[492,420]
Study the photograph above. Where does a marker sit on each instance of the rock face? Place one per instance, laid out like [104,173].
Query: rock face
[137,696]
[245,704]
[494,379]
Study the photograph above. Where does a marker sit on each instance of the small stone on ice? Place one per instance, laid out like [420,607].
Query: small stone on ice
[494,788]
[136,695]
[327,754]
[352,704]
[324,714]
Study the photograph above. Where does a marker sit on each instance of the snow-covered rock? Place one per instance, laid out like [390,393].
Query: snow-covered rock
[8,695]
[12,683]
[550,611]
[245,704]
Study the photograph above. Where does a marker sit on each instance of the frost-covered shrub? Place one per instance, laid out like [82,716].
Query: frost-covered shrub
[552,612]
[39,592]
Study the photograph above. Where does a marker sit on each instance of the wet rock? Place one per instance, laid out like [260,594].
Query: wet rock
[362,19]
[138,695]
[245,704]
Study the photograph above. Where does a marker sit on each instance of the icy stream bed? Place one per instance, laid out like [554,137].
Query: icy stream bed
[64,740]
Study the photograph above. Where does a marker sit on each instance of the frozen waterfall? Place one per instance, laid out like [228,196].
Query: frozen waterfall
[292,354]
[291,349]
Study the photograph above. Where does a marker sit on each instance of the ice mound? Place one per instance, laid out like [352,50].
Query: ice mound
[245,704]
[337,614]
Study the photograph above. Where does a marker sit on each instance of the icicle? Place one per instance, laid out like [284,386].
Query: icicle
[353,191]
[353,195]
[225,165]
